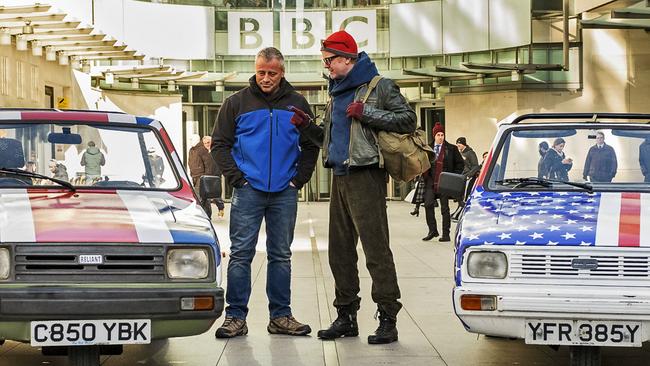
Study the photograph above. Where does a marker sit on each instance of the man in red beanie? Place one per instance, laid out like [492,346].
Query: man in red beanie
[447,159]
[358,195]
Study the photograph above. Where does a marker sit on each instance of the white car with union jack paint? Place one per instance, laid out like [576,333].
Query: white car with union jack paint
[102,242]
[553,245]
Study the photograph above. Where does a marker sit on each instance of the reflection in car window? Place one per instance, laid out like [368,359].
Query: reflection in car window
[84,155]
[603,157]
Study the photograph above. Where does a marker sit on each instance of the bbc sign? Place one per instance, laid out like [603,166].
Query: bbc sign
[300,32]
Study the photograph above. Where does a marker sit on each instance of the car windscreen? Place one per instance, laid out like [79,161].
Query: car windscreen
[101,156]
[612,157]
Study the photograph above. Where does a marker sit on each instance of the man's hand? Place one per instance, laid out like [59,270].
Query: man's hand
[221,213]
[299,119]
[355,110]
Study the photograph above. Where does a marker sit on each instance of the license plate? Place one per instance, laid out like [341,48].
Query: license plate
[89,332]
[584,332]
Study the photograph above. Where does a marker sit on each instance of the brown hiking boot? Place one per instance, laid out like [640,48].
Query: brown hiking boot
[232,327]
[288,325]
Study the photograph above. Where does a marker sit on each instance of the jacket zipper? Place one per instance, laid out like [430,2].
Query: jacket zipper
[270,145]
[356,93]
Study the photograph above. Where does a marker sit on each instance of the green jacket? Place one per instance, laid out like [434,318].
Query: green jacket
[92,160]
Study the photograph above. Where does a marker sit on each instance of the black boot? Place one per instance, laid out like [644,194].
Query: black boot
[430,235]
[387,330]
[345,325]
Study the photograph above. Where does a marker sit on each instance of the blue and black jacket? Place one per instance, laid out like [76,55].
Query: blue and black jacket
[254,141]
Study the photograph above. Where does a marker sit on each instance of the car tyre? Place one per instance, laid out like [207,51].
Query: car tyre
[83,356]
[584,356]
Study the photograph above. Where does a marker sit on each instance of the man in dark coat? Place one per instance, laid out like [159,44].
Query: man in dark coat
[644,159]
[201,163]
[469,157]
[447,159]
[600,164]
[358,194]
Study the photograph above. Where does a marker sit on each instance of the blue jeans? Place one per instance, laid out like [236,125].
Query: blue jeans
[248,208]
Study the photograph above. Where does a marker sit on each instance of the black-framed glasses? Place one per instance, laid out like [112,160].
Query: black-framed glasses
[328,60]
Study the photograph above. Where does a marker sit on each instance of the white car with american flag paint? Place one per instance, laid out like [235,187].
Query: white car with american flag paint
[102,242]
[553,247]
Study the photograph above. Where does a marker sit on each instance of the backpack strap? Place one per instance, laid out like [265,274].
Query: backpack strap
[371,86]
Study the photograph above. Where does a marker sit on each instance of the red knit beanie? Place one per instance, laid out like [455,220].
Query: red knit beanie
[340,43]
[438,128]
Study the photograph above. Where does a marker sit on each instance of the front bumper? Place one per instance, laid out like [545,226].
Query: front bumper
[18,307]
[516,303]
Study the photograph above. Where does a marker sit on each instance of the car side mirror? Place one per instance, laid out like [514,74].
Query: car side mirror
[210,187]
[451,184]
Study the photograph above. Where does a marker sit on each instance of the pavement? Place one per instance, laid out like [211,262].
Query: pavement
[429,331]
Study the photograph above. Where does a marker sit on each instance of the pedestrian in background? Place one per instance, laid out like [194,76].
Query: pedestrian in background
[92,160]
[469,158]
[644,159]
[555,162]
[601,163]
[542,148]
[266,160]
[201,163]
[358,194]
[447,159]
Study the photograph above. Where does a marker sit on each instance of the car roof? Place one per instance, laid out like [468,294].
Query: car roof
[594,117]
[29,114]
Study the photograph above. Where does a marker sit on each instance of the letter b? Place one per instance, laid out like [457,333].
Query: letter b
[305,33]
[253,32]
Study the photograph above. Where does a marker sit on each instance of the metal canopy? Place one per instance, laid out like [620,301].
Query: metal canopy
[621,15]
[34,27]
[512,67]
[631,13]
[23,9]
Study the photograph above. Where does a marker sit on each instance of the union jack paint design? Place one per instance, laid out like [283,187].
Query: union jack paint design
[554,219]
[92,215]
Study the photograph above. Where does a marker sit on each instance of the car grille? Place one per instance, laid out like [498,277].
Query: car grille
[623,264]
[59,263]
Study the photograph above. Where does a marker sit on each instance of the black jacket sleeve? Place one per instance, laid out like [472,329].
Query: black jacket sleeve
[223,139]
[308,153]
[315,133]
[393,113]
[459,163]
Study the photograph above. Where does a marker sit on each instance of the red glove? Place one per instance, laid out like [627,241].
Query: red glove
[355,110]
[299,118]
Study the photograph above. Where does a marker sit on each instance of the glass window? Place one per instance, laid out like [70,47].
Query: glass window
[100,156]
[396,63]
[568,153]
[507,57]
[480,57]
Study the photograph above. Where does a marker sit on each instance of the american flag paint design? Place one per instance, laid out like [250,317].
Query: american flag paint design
[554,219]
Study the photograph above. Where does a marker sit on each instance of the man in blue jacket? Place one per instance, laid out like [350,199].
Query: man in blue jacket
[264,158]
[358,194]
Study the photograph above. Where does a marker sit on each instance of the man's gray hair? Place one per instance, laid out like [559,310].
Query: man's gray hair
[270,53]
[206,138]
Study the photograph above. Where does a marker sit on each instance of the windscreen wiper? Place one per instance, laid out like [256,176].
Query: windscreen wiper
[544,182]
[25,173]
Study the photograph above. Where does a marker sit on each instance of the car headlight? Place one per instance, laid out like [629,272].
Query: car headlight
[487,265]
[5,264]
[188,263]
